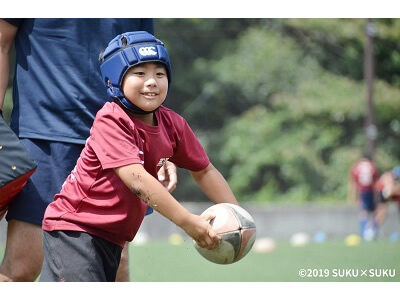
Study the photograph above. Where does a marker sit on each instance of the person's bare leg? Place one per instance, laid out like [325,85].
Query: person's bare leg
[23,257]
[381,213]
[123,269]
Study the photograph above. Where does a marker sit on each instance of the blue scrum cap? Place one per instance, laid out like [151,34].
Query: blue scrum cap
[125,51]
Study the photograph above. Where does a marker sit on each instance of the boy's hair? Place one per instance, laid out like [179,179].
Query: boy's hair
[125,51]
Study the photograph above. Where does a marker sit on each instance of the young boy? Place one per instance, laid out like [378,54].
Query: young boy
[103,201]
[363,176]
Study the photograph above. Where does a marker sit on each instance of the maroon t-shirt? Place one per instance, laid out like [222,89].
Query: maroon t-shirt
[365,174]
[93,198]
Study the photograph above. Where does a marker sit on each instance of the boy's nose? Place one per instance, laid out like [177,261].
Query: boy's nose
[151,81]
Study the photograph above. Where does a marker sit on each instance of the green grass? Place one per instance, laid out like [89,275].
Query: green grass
[161,262]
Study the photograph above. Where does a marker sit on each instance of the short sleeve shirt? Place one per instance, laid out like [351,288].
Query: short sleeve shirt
[57,88]
[365,174]
[93,198]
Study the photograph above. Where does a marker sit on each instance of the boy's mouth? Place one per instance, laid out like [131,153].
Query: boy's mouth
[149,95]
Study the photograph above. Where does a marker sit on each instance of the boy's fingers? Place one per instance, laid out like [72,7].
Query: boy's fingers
[167,176]
[172,182]
[208,216]
[201,243]
[207,243]
[213,235]
[161,174]
[211,244]
[172,176]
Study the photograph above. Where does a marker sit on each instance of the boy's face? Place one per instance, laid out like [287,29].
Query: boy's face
[146,85]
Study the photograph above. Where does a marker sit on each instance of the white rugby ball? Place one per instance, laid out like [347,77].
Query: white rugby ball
[237,229]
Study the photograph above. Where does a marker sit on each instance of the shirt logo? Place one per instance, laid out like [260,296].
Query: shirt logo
[162,162]
[148,51]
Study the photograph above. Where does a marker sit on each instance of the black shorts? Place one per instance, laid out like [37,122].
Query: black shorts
[78,256]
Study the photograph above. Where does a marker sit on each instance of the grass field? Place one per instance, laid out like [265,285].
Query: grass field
[161,262]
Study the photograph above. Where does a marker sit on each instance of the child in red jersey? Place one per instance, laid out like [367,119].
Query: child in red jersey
[103,201]
[363,176]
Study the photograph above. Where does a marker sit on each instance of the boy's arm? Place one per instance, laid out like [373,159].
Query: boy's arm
[153,193]
[7,35]
[214,185]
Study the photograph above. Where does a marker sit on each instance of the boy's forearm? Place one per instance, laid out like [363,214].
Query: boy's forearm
[214,185]
[152,192]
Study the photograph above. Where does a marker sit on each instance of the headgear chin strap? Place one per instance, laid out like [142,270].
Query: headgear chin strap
[125,51]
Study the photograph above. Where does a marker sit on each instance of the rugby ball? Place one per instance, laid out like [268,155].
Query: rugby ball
[237,229]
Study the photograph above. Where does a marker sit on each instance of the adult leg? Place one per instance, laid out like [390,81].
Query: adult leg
[381,213]
[123,269]
[22,238]
[368,224]
[24,255]
[381,210]
[363,219]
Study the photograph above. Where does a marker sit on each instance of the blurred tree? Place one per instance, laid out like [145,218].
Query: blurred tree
[338,45]
[287,144]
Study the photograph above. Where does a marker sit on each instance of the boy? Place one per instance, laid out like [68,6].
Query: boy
[363,176]
[105,198]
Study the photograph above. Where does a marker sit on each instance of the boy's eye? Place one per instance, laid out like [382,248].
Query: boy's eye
[160,74]
[139,73]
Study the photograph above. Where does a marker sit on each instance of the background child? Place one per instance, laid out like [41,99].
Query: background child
[363,176]
[104,199]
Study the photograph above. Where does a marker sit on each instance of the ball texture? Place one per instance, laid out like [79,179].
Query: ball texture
[237,229]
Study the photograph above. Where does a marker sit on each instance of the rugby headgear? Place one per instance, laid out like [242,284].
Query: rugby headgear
[125,51]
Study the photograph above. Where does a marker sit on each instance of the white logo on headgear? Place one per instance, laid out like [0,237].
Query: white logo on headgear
[146,51]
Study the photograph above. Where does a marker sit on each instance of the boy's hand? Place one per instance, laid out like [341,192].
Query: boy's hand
[167,176]
[199,228]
